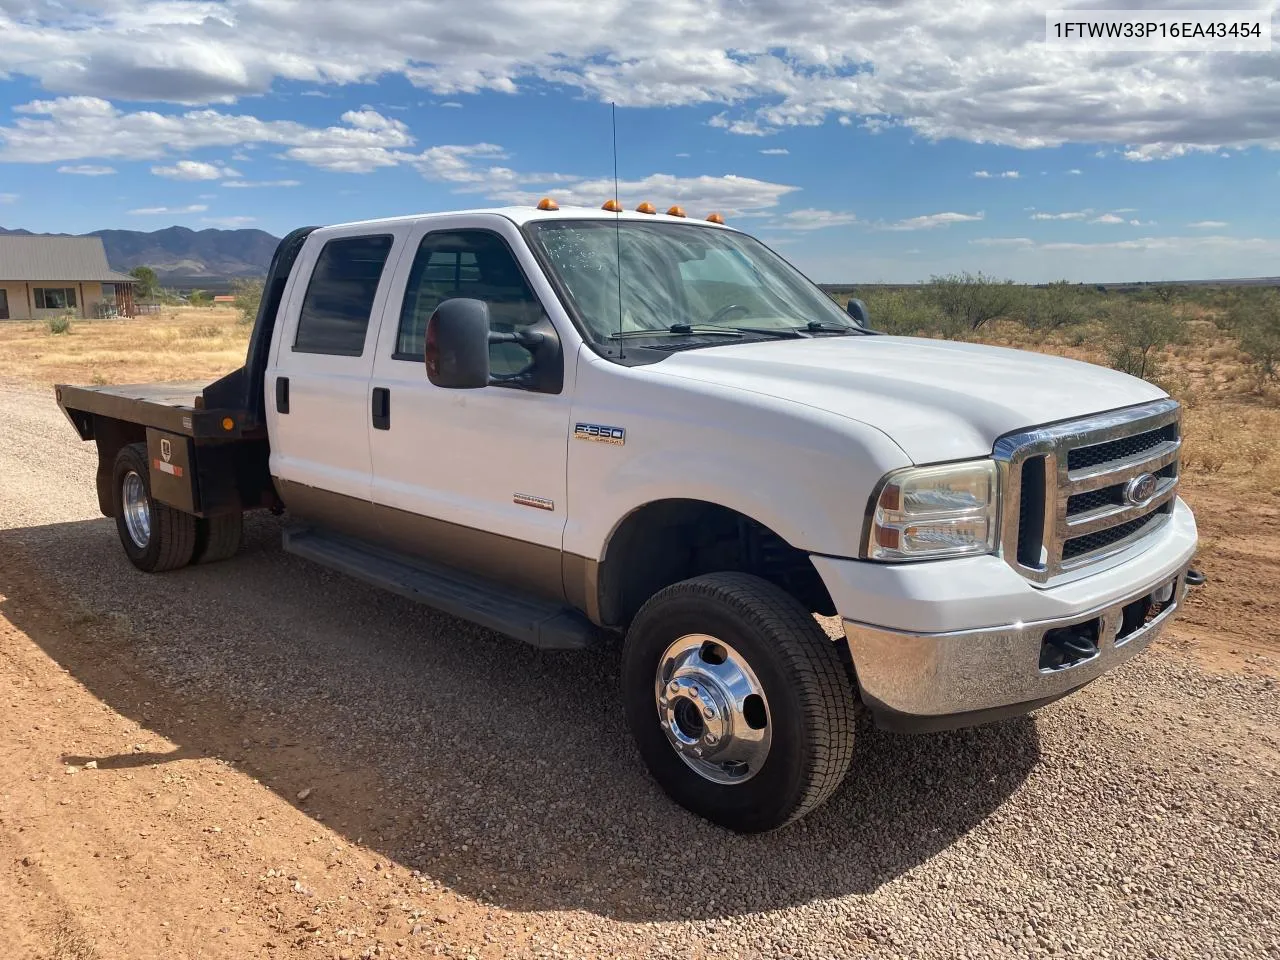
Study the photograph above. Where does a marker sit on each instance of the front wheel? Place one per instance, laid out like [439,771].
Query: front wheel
[738,701]
[155,536]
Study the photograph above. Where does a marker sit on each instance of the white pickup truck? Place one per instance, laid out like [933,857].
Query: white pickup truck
[570,425]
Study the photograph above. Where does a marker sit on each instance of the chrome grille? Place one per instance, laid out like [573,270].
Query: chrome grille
[1065,501]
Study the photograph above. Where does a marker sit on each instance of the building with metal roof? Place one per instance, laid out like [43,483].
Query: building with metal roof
[55,276]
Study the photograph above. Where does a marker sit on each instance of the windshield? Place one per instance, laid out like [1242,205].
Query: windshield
[677,275]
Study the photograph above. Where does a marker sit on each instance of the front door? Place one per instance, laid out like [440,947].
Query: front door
[4,304]
[317,387]
[471,478]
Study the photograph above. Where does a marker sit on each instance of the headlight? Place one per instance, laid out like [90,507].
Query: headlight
[928,512]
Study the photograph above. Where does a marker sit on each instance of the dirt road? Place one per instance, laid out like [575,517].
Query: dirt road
[262,759]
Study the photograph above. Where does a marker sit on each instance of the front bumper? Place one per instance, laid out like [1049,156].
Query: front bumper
[924,679]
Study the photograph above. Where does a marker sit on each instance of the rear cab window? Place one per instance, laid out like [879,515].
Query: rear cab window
[336,309]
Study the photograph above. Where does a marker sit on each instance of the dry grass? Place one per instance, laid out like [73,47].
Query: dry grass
[183,343]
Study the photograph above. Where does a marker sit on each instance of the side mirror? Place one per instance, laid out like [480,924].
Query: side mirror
[457,348]
[858,311]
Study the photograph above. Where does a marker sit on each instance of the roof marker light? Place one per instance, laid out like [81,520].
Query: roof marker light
[646,207]
[613,206]
[546,203]
[676,211]
[715,218]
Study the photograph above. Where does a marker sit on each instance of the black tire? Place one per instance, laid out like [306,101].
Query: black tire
[172,538]
[811,700]
[217,538]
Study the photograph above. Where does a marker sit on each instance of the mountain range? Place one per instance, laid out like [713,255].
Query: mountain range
[177,252]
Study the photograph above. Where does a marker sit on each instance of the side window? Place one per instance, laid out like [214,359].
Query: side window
[339,299]
[468,263]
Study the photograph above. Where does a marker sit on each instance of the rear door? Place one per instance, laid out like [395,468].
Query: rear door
[317,389]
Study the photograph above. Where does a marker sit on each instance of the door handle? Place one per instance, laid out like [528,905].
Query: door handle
[381,408]
[282,394]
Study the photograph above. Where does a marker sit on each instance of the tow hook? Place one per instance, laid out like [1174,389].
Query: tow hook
[1195,578]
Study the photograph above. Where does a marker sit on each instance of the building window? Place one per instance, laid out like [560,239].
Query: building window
[55,298]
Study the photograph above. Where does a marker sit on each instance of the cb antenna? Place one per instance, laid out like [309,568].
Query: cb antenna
[617,220]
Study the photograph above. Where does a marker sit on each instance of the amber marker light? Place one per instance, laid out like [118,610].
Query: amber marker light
[613,206]
[546,203]
[676,212]
[228,423]
[715,218]
[646,207]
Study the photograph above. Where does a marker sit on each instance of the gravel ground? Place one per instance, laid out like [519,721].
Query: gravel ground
[1139,818]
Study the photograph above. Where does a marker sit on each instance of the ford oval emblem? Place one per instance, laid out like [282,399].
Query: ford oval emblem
[1141,488]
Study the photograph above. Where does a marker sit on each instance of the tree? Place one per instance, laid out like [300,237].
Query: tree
[248,294]
[199,298]
[148,282]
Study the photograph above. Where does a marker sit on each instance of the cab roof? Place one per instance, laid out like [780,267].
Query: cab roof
[520,215]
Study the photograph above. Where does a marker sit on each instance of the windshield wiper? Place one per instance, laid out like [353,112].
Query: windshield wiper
[817,326]
[676,329]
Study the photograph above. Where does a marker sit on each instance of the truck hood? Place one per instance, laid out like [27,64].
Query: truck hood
[937,399]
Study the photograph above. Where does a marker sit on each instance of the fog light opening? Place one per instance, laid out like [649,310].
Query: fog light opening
[1065,647]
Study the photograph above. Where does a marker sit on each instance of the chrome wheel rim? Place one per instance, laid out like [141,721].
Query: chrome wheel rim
[712,708]
[137,510]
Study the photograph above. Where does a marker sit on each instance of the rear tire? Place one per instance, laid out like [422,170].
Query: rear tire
[738,632]
[217,538]
[155,536]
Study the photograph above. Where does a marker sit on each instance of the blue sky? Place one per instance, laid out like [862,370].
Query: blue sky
[883,143]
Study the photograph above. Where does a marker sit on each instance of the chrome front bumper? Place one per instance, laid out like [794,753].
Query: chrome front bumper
[937,681]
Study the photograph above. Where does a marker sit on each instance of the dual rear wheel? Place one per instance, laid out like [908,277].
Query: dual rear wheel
[157,537]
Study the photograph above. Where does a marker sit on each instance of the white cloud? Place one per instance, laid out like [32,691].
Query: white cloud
[1074,172]
[814,219]
[932,220]
[452,104]
[87,170]
[8,197]
[1005,175]
[683,156]
[1108,218]
[986,78]
[1209,224]
[1003,242]
[1069,215]
[158,211]
[194,170]
[247,184]
[776,152]
[76,128]
[229,221]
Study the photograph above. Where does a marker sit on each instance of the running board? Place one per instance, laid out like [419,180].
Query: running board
[537,622]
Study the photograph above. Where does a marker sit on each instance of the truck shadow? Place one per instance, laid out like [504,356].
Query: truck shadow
[502,771]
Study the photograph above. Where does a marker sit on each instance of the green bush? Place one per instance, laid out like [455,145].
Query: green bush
[248,294]
[1055,306]
[59,324]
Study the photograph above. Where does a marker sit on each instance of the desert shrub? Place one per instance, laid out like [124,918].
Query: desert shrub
[900,311]
[968,300]
[1137,333]
[59,324]
[1256,321]
[199,298]
[204,331]
[248,294]
[1054,306]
